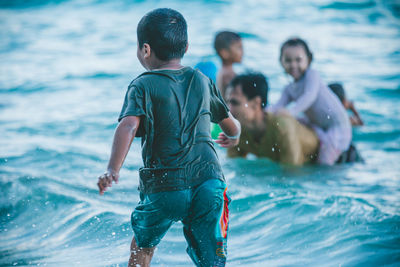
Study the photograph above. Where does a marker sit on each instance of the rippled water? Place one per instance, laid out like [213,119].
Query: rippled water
[64,69]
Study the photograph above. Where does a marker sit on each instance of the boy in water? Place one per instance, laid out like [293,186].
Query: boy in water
[230,49]
[278,137]
[338,89]
[351,154]
[171,106]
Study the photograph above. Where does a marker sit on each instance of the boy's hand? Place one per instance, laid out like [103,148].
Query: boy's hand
[224,141]
[106,180]
[356,121]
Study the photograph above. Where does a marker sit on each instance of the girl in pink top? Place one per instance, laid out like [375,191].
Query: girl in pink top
[312,97]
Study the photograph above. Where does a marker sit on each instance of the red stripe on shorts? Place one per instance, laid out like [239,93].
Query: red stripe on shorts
[224,216]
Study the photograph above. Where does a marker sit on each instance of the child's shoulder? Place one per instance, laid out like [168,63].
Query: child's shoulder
[312,73]
[167,75]
[142,81]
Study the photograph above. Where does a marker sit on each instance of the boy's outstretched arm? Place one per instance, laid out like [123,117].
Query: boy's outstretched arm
[123,137]
[356,119]
[231,132]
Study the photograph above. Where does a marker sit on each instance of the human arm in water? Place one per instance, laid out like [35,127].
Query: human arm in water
[123,137]
[231,132]
[356,119]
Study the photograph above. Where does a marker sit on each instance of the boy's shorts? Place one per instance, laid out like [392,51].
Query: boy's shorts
[203,211]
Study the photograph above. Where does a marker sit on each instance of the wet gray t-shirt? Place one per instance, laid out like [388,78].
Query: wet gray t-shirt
[176,108]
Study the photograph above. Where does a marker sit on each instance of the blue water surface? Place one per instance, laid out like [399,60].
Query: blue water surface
[64,70]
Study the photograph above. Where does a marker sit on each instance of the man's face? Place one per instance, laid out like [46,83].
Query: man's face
[240,106]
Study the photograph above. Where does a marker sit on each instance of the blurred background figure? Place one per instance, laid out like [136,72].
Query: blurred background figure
[338,89]
[229,48]
[311,98]
[279,137]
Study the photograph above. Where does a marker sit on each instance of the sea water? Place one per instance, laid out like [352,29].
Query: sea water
[64,70]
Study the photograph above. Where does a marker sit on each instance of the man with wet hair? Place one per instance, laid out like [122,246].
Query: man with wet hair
[278,137]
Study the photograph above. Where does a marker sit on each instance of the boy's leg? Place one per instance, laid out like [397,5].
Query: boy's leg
[140,256]
[206,227]
[150,224]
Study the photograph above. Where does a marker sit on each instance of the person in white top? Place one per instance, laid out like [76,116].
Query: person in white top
[311,97]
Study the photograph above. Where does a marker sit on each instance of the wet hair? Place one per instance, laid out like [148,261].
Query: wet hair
[338,89]
[165,31]
[224,40]
[253,84]
[297,42]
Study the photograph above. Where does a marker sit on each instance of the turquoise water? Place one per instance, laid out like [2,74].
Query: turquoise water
[65,66]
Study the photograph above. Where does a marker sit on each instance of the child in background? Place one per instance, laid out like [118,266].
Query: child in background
[352,154]
[230,49]
[338,89]
[170,106]
[312,97]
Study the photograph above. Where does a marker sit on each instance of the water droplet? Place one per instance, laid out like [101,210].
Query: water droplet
[328,117]
[247,142]
[273,149]
[113,233]
[254,84]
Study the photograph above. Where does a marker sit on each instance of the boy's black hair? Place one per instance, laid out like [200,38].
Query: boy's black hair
[224,40]
[165,30]
[295,41]
[253,84]
[338,89]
